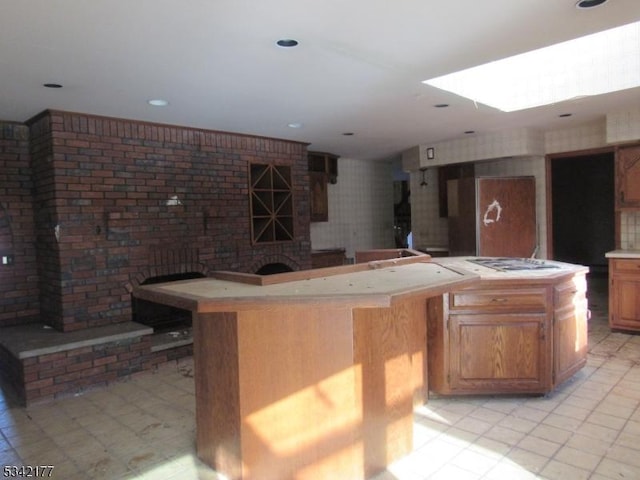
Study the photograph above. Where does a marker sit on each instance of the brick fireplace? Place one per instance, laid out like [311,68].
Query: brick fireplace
[93,206]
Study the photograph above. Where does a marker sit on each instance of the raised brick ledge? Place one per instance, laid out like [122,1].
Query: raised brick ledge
[33,340]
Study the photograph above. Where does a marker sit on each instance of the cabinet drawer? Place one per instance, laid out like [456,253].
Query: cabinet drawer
[517,300]
[630,265]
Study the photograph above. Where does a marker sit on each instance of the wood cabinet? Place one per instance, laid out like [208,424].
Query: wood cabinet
[330,257]
[628,178]
[570,316]
[624,294]
[323,169]
[451,172]
[507,337]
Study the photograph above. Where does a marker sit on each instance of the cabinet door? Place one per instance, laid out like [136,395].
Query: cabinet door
[624,302]
[319,198]
[499,353]
[570,327]
[628,177]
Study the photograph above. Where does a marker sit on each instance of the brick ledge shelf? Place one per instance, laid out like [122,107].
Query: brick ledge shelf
[40,363]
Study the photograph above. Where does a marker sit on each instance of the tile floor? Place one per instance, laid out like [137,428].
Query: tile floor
[144,428]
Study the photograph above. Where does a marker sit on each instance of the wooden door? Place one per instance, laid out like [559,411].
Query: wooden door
[506,216]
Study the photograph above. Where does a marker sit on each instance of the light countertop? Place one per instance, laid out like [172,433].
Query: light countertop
[623,254]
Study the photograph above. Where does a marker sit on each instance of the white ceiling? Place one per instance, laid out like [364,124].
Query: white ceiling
[358,67]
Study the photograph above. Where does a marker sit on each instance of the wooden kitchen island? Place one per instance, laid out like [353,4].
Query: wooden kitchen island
[311,374]
[521,329]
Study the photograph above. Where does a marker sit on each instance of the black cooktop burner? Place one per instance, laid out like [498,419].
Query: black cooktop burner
[505,264]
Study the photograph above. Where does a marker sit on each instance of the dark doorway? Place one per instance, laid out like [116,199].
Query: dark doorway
[583,209]
[162,318]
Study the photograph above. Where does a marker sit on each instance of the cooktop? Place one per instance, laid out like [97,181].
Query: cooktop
[505,264]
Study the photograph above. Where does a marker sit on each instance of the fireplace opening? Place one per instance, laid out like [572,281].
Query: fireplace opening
[163,318]
[273,268]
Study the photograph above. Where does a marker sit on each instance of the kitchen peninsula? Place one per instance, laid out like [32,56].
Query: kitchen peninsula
[315,374]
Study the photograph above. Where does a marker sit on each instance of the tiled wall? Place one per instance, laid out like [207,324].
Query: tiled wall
[360,208]
[431,231]
[630,230]
[623,126]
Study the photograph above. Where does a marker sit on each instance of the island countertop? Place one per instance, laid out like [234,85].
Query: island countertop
[375,284]
[528,270]
[623,253]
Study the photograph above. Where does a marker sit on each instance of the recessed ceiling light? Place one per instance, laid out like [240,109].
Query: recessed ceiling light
[589,3]
[441,105]
[294,125]
[158,102]
[52,85]
[287,43]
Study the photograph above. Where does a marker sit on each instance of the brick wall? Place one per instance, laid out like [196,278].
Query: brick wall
[18,282]
[101,191]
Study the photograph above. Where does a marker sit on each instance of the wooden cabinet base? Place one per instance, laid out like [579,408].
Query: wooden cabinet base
[507,337]
[308,393]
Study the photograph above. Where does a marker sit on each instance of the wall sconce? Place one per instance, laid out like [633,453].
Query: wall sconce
[423,183]
[431,153]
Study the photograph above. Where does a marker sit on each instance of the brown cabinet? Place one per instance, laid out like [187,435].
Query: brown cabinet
[624,294]
[507,337]
[323,169]
[570,316]
[330,257]
[628,178]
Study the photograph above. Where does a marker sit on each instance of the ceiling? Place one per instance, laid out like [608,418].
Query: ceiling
[357,69]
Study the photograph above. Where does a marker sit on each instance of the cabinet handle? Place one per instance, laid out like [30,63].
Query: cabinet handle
[499,300]
[543,331]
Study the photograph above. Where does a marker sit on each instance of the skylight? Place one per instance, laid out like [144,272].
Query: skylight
[600,63]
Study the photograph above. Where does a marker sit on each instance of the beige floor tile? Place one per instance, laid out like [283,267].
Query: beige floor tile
[530,461]
[589,444]
[551,433]
[518,424]
[533,414]
[509,470]
[573,411]
[577,458]
[555,470]
[611,468]
[488,415]
[598,432]
[474,425]
[562,421]
[474,461]
[626,455]
[504,435]
[539,445]
[450,471]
